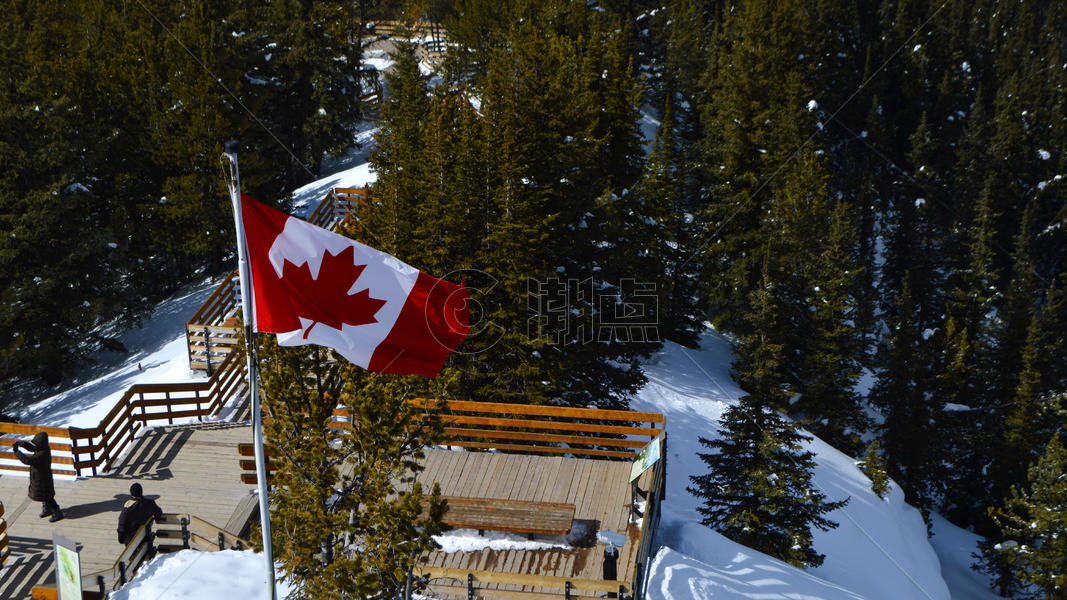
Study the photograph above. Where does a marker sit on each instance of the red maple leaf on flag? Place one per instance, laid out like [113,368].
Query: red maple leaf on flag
[326,300]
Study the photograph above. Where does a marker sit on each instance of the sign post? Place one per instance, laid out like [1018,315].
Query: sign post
[648,457]
[68,568]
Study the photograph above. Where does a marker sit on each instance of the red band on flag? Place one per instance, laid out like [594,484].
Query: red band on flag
[431,325]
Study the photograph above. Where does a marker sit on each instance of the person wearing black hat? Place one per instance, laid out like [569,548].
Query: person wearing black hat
[40,463]
[136,512]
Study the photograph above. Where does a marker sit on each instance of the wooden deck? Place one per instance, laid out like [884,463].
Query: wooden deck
[189,469]
[599,490]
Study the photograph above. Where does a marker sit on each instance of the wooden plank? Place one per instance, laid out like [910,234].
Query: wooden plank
[498,467]
[24,429]
[553,425]
[534,475]
[551,468]
[44,592]
[576,491]
[479,481]
[550,518]
[543,437]
[444,475]
[536,448]
[519,488]
[541,410]
[461,482]
[581,585]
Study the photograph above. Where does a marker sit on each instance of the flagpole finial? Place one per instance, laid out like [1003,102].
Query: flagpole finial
[231,147]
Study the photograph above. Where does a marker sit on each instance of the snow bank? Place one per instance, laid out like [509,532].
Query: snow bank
[194,575]
[468,540]
[733,572]
[879,551]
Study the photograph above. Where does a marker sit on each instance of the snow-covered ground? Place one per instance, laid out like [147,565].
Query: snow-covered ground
[193,575]
[156,353]
[879,551]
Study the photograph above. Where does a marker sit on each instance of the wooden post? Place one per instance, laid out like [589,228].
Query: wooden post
[74,453]
[185,533]
[170,411]
[122,573]
[207,349]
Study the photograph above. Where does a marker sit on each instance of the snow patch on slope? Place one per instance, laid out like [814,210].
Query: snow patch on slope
[879,551]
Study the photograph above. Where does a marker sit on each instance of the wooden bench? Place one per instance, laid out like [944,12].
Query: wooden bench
[520,516]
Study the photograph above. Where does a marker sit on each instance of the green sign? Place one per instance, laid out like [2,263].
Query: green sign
[68,569]
[648,457]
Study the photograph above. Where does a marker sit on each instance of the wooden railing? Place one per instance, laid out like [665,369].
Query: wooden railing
[430,37]
[94,449]
[60,441]
[544,429]
[209,336]
[590,432]
[211,333]
[5,550]
[187,531]
[387,28]
[338,204]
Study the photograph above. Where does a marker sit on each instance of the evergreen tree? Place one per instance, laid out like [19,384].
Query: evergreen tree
[1033,417]
[522,188]
[873,466]
[912,415]
[759,489]
[346,503]
[1033,521]
[828,405]
[306,55]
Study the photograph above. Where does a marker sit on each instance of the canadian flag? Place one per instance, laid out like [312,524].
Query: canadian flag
[313,286]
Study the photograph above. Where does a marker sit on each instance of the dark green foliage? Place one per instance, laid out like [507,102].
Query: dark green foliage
[514,175]
[1032,525]
[303,56]
[759,490]
[346,505]
[911,428]
[873,466]
[113,119]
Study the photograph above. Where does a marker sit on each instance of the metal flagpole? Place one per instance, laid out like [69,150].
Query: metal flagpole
[250,347]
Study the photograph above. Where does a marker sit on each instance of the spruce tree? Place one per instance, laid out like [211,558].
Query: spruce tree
[513,173]
[758,490]
[828,405]
[1033,524]
[873,466]
[912,415]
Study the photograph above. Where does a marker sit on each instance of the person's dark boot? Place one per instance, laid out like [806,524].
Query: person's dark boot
[45,512]
[57,515]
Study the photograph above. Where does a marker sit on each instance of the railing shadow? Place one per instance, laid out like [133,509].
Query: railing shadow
[154,453]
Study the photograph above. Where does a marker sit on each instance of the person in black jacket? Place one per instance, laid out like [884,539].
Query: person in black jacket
[136,512]
[40,463]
